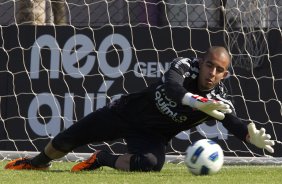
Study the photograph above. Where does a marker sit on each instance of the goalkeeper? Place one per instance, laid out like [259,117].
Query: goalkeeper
[189,93]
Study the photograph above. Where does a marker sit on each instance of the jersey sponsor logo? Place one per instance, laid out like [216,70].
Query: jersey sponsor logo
[166,106]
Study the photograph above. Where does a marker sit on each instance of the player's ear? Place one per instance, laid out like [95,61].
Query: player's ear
[226,74]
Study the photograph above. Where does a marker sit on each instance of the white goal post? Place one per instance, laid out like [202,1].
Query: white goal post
[62,59]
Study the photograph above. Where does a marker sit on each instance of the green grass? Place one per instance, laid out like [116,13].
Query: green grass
[171,173]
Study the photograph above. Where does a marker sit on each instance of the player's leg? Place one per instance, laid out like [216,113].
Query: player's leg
[144,154]
[96,160]
[31,12]
[59,12]
[101,125]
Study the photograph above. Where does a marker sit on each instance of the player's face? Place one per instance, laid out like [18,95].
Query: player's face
[212,70]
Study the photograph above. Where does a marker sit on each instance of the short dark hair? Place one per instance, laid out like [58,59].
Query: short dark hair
[217,49]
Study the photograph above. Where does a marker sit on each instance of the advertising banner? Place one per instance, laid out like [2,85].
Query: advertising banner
[53,76]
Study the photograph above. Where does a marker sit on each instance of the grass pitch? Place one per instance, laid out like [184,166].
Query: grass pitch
[171,173]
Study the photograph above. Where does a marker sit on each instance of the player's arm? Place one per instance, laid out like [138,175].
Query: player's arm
[173,80]
[174,77]
[248,133]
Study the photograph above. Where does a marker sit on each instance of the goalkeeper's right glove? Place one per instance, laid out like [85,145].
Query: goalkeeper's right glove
[214,108]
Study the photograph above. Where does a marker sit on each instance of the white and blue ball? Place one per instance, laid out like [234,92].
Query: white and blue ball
[204,157]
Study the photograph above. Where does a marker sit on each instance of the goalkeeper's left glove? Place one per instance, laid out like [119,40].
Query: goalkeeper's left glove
[259,138]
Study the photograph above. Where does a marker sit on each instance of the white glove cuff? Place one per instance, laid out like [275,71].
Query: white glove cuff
[189,100]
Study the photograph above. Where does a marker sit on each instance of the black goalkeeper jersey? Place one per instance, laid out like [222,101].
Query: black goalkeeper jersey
[158,109]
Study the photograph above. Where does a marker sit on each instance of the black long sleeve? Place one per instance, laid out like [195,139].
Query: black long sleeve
[235,126]
[181,69]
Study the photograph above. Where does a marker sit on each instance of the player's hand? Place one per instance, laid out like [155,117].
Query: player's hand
[259,138]
[214,108]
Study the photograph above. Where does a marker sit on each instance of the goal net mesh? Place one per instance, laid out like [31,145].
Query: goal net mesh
[61,60]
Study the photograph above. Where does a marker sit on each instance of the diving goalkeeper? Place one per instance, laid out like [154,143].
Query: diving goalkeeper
[189,93]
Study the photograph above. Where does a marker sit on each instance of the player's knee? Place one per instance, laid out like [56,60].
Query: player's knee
[144,162]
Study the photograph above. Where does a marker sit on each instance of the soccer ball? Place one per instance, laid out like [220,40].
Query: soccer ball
[204,157]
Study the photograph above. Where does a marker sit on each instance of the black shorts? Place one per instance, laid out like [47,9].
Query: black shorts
[107,125]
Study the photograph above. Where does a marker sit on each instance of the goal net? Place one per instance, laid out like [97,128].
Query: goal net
[61,60]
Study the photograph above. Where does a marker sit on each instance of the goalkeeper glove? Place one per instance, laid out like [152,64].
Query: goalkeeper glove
[214,108]
[259,138]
